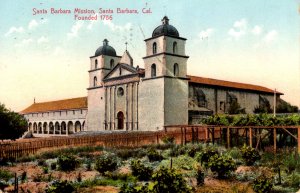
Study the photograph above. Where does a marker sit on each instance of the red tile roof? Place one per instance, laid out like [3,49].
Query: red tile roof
[74,103]
[229,84]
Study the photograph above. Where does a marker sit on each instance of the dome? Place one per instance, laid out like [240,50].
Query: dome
[105,50]
[165,29]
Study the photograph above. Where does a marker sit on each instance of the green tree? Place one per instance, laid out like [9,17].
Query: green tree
[12,124]
[285,107]
[235,108]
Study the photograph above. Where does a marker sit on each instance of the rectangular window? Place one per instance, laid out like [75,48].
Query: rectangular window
[73,112]
[59,113]
[81,111]
[66,112]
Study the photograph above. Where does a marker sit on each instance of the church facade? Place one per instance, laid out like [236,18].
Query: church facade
[122,96]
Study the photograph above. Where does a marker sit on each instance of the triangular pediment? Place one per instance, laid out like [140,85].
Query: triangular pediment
[121,70]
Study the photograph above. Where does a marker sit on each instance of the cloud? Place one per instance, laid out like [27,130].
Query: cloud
[14,30]
[24,42]
[32,24]
[42,39]
[92,23]
[75,29]
[239,29]
[257,30]
[206,33]
[270,36]
[115,27]
[58,51]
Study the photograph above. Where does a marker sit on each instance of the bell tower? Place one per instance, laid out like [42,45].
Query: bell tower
[165,76]
[104,60]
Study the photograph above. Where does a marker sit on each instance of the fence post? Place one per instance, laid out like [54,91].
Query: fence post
[228,137]
[250,136]
[275,139]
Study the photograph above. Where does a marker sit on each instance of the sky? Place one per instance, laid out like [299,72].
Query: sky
[46,56]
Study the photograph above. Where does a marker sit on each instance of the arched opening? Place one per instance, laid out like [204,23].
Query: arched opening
[30,127]
[112,63]
[120,117]
[175,48]
[51,128]
[96,64]
[95,81]
[45,128]
[70,127]
[57,128]
[154,48]
[40,128]
[77,126]
[176,69]
[63,128]
[153,70]
[34,128]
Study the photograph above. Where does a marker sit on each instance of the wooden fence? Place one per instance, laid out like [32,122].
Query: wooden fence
[182,134]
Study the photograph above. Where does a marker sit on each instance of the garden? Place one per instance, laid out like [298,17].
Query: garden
[160,168]
[155,168]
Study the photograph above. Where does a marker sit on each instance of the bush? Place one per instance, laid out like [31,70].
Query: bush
[222,165]
[169,181]
[106,162]
[133,188]
[140,170]
[262,184]
[53,166]
[250,155]
[168,139]
[206,155]
[154,155]
[67,163]
[177,150]
[200,176]
[5,175]
[59,187]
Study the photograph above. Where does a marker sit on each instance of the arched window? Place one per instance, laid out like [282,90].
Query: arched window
[112,63]
[95,81]
[154,48]
[153,70]
[176,69]
[174,47]
[96,64]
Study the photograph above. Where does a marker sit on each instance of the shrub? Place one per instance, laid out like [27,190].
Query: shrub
[206,155]
[222,165]
[192,151]
[200,176]
[5,175]
[53,166]
[169,181]
[140,170]
[45,169]
[168,139]
[293,180]
[106,162]
[67,163]
[292,162]
[42,162]
[177,150]
[133,188]
[59,187]
[262,184]
[250,155]
[154,155]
